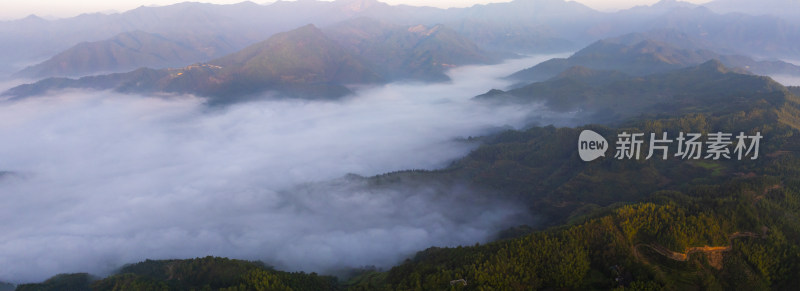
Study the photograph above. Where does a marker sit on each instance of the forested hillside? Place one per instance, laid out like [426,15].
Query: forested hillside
[209,273]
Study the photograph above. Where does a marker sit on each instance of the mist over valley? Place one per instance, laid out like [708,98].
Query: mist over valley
[357,145]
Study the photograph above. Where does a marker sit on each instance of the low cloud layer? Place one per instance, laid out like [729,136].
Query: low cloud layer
[787,80]
[101,179]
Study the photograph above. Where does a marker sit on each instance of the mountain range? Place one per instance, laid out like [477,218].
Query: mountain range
[306,62]
[522,26]
[610,96]
[355,52]
[641,54]
[298,62]
[123,52]
[787,9]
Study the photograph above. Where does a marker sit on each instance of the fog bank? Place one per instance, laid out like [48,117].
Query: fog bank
[102,179]
[787,80]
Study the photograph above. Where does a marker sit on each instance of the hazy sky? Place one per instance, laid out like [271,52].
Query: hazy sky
[13,9]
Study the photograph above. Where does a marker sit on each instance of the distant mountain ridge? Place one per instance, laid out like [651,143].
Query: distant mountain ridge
[787,9]
[639,54]
[609,96]
[123,52]
[398,51]
[527,26]
[458,36]
[302,62]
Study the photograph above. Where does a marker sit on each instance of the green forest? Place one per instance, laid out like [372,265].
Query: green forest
[633,224]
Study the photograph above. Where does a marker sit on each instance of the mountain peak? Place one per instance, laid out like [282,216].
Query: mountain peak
[713,65]
[33,18]
[291,60]
[303,34]
[308,28]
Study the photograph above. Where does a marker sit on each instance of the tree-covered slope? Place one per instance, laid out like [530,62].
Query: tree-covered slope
[609,96]
[646,224]
[209,273]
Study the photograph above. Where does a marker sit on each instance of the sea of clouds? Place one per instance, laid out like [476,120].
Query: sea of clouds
[90,180]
